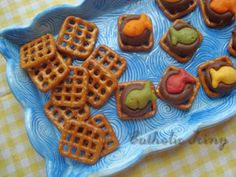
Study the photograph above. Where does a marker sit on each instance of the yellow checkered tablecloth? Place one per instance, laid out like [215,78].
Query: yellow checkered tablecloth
[198,157]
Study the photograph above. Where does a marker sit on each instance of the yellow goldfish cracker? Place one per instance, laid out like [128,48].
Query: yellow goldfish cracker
[217,76]
[127,100]
[225,74]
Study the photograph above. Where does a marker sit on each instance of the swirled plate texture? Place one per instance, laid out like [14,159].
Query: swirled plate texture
[137,137]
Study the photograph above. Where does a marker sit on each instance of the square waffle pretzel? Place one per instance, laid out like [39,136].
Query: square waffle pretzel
[101,83]
[177,15]
[131,48]
[187,105]
[81,141]
[72,92]
[77,37]
[124,116]
[37,51]
[109,59]
[59,114]
[172,53]
[67,59]
[111,142]
[231,50]
[47,75]
[201,74]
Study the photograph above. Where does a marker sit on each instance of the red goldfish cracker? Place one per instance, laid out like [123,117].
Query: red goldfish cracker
[191,79]
[223,6]
[136,27]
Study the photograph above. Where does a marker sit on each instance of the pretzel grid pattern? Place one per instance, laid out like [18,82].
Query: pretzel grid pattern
[72,92]
[37,51]
[59,114]
[101,83]
[109,59]
[81,141]
[49,74]
[111,142]
[77,37]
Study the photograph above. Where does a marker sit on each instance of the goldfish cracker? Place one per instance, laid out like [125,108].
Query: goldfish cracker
[136,27]
[225,74]
[223,6]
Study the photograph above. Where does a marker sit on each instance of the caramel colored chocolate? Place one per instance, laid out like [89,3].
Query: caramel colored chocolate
[223,88]
[143,39]
[182,50]
[234,39]
[174,7]
[125,109]
[179,98]
[219,19]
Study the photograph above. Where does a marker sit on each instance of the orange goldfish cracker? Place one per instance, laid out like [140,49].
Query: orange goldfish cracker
[136,27]
[223,6]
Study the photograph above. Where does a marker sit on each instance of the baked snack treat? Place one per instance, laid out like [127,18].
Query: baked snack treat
[135,100]
[49,74]
[218,76]
[101,83]
[77,37]
[181,41]
[178,88]
[109,59]
[218,13]
[111,142]
[37,51]
[175,9]
[67,59]
[232,43]
[81,141]
[135,33]
[59,114]
[72,92]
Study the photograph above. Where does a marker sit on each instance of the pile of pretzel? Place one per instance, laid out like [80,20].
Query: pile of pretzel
[73,88]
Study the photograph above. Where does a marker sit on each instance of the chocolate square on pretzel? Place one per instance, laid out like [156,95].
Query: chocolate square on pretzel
[232,44]
[49,74]
[217,76]
[101,83]
[136,100]
[72,92]
[111,142]
[59,114]
[40,50]
[181,41]
[215,14]
[135,33]
[77,37]
[175,9]
[178,88]
[81,141]
[109,59]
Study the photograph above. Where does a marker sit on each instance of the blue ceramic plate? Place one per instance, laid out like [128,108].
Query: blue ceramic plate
[137,138]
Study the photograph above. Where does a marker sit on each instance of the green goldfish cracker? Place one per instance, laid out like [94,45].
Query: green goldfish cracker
[138,99]
[184,36]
